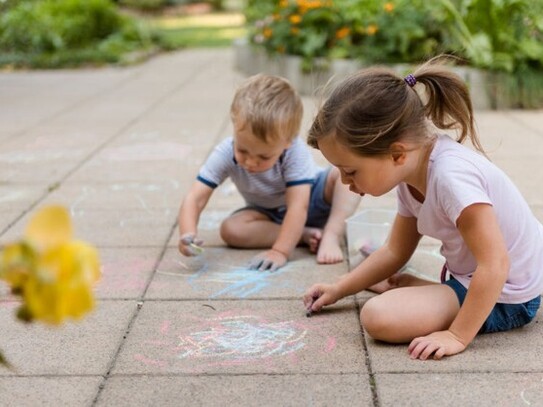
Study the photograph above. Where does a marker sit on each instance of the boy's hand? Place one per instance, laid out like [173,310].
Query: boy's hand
[268,260]
[189,245]
[320,295]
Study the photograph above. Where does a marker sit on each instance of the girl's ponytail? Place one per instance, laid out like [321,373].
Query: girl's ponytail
[447,100]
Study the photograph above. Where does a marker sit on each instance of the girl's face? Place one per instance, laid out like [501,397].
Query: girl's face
[373,175]
[254,154]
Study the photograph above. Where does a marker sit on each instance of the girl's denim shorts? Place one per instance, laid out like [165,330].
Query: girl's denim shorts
[503,317]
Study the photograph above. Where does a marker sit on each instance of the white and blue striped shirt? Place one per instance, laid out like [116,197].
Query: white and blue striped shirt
[266,189]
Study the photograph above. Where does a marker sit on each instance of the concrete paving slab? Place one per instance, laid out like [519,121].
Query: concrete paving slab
[520,350]
[15,198]
[115,228]
[241,337]
[39,172]
[80,198]
[126,272]
[222,273]
[49,391]
[75,348]
[36,97]
[8,218]
[484,389]
[247,390]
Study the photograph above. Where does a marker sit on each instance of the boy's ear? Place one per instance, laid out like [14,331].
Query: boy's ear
[398,153]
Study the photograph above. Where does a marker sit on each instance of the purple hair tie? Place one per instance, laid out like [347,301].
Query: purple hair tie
[410,80]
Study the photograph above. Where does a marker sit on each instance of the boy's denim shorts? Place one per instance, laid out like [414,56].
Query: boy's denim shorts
[503,317]
[318,210]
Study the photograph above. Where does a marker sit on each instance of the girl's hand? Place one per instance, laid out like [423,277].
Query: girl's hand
[442,343]
[189,245]
[320,295]
[268,260]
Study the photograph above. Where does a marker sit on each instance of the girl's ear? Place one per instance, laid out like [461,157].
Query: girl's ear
[398,153]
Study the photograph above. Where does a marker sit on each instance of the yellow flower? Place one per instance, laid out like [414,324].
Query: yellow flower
[295,19]
[267,33]
[53,273]
[283,3]
[342,32]
[372,29]
[389,7]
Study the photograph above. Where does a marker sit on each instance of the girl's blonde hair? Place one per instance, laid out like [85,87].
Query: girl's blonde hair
[373,108]
[270,106]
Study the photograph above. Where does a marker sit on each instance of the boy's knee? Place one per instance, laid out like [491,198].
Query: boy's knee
[229,232]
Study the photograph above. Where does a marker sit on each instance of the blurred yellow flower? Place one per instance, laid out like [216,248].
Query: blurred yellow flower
[372,29]
[295,19]
[52,273]
[389,7]
[267,33]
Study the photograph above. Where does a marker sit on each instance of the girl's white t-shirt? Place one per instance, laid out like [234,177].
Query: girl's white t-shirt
[457,178]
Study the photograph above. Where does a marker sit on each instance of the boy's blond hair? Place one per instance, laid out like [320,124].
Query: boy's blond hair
[270,106]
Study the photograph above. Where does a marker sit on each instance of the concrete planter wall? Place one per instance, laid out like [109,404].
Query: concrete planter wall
[251,60]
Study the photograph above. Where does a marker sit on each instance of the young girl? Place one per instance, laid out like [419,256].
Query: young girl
[380,133]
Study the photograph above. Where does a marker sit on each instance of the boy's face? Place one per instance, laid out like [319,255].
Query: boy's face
[252,153]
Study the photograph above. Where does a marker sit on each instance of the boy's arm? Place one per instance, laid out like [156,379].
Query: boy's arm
[189,215]
[481,232]
[297,203]
[292,228]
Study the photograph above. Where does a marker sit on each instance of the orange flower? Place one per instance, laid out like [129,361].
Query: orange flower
[372,29]
[267,33]
[389,7]
[283,3]
[342,32]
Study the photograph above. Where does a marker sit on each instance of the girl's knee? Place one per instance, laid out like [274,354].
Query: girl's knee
[376,319]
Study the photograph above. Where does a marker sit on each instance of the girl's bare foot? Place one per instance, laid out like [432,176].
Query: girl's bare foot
[398,279]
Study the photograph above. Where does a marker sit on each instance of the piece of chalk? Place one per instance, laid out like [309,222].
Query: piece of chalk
[309,311]
[196,248]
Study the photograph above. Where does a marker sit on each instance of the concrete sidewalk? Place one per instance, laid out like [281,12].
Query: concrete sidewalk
[119,147]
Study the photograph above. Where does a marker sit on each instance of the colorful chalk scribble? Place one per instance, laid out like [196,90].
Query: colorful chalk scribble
[242,338]
[234,281]
[225,340]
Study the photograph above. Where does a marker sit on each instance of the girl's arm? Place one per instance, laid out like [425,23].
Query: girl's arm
[290,233]
[189,215]
[380,265]
[481,232]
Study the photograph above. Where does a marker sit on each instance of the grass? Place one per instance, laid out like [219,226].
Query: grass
[206,30]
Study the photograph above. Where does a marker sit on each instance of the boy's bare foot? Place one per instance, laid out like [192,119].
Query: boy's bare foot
[330,251]
[312,237]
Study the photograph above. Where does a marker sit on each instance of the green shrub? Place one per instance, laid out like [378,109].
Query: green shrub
[504,35]
[51,32]
[145,4]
